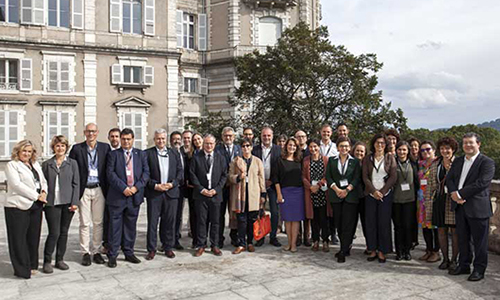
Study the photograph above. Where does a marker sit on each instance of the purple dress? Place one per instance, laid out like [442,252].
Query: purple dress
[289,176]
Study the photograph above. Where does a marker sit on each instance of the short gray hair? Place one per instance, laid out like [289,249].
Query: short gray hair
[226,129]
[209,135]
[160,131]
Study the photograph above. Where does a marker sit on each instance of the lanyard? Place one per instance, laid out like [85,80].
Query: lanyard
[93,159]
[267,156]
[343,166]
[404,172]
[163,155]
[327,151]
[129,158]
[377,168]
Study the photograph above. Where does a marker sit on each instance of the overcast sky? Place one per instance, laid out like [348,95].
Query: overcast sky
[441,57]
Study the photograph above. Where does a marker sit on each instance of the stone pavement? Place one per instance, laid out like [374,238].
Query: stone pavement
[268,273]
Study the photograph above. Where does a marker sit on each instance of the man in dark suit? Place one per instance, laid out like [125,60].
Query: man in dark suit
[469,181]
[162,194]
[269,154]
[91,158]
[229,151]
[128,173]
[176,144]
[208,175]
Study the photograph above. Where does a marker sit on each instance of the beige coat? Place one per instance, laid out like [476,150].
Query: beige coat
[256,184]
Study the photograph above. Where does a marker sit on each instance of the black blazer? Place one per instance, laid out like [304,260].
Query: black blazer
[79,153]
[476,189]
[352,174]
[275,154]
[221,148]
[175,173]
[118,178]
[198,175]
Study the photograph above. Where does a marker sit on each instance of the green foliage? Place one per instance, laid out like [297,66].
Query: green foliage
[214,122]
[490,139]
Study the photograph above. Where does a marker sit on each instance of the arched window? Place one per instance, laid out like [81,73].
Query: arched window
[269,31]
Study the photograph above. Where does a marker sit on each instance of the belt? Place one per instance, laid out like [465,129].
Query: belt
[93,185]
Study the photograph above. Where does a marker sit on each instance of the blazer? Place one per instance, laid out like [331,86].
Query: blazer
[21,188]
[256,184]
[117,177]
[198,175]
[352,174]
[79,153]
[175,173]
[476,189]
[306,179]
[69,180]
[221,148]
[275,156]
[390,167]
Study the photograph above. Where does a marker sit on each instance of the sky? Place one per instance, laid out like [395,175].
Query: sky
[441,57]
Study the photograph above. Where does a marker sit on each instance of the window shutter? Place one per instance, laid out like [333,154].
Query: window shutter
[115,15]
[116,74]
[202,32]
[26,11]
[77,16]
[181,84]
[52,76]
[149,17]
[203,86]
[38,12]
[64,81]
[178,30]
[149,75]
[26,74]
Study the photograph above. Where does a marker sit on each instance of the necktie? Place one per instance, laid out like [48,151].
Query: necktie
[209,162]
[130,170]
[229,152]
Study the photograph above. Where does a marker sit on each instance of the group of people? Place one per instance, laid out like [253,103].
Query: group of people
[319,189]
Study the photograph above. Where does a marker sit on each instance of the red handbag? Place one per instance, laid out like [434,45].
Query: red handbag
[261,227]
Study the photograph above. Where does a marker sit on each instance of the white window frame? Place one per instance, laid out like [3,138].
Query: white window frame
[131,16]
[191,85]
[6,85]
[60,59]
[118,71]
[58,110]
[7,12]
[34,10]
[7,141]
[186,35]
[139,143]
[58,14]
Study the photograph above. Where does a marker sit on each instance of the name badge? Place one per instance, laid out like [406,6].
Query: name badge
[209,177]
[128,172]
[423,182]
[94,173]
[324,188]
[38,185]
[246,179]
[344,183]
[314,182]
[445,189]
[405,187]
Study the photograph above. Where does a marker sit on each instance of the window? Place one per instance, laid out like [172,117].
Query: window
[131,74]
[132,16]
[58,76]
[9,11]
[269,31]
[59,13]
[9,131]
[134,121]
[190,85]
[9,74]
[185,30]
[56,123]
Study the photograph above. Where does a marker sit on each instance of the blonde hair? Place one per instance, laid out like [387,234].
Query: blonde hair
[20,146]
[59,139]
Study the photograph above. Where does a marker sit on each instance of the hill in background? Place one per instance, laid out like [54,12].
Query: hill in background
[492,124]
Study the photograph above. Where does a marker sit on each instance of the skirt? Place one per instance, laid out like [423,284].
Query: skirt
[293,209]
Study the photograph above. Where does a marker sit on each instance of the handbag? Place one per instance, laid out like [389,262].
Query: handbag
[261,226]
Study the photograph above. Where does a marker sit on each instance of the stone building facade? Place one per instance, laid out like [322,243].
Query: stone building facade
[142,64]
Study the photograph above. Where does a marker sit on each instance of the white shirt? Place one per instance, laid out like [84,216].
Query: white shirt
[328,150]
[163,162]
[339,165]
[465,170]
[209,174]
[57,194]
[230,150]
[113,149]
[378,176]
[266,159]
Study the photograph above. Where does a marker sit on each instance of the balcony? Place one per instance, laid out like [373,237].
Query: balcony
[281,4]
[8,86]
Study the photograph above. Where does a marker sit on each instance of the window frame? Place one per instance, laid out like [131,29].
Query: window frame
[190,85]
[7,76]
[7,141]
[59,13]
[186,25]
[7,11]
[58,111]
[139,5]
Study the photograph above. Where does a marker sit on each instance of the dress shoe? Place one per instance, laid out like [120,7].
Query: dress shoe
[133,259]
[169,254]
[98,259]
[399,256]
[250,248]
[86,261]
[425,256]
[315,246]
[275,242]
[453,265]
[216,251]
[239,249]
[260,242]
[444,265]
[475,276]
[340,257]
[407,256]
[372,258]
[151,255]
[382,260]
[199,252]
[326,247]
[47,268]
[434,257]
[307,243]
[178,247]
[112,262]
[61,265]
[459,271]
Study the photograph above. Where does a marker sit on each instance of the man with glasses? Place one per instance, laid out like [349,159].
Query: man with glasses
[342,130]
[301,137]
[248,134]
[229,151]
[91,158]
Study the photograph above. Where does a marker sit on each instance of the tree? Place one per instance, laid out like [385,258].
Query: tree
[214,122]
[305,81]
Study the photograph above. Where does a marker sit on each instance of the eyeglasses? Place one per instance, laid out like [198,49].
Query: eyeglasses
[380,143]
[91,131]
[426,150]
[301,136]
[246,146]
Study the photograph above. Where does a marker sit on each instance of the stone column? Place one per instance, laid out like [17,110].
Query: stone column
[494,238]
[172,94]
[90,87]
